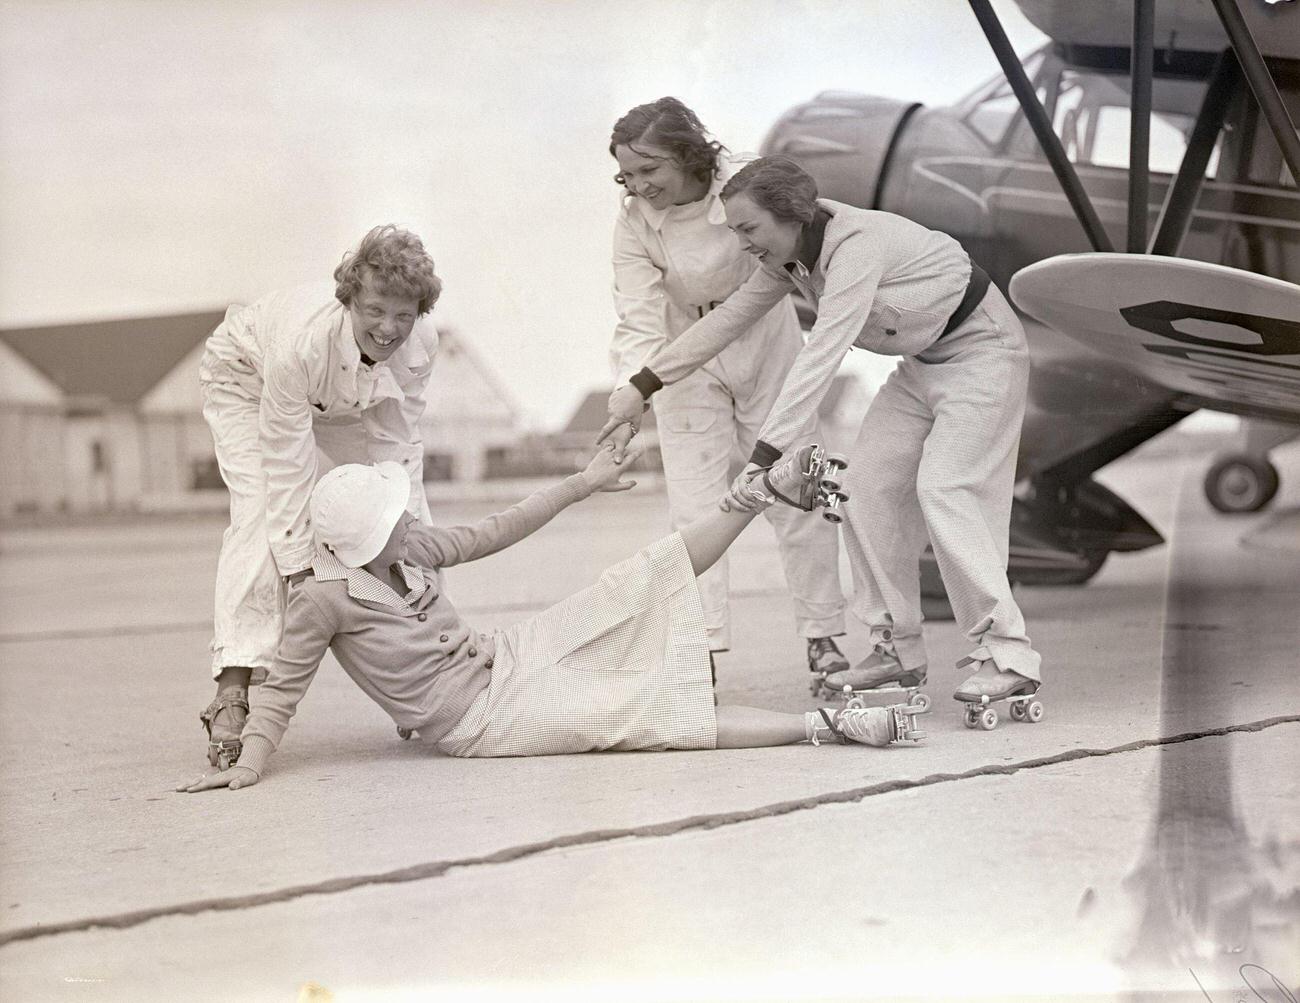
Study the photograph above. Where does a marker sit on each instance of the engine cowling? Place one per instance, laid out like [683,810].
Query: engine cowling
[844,140]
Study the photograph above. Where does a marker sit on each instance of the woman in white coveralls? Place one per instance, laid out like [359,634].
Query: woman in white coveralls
[936,455]
[674,261]
[342,367]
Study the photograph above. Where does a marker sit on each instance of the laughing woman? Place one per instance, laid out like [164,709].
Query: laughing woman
[936,455]
[674,261]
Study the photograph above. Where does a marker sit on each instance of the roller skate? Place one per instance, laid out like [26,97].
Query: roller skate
[809,478]
[881,672]
[989,685]
[876,726]
[224,741]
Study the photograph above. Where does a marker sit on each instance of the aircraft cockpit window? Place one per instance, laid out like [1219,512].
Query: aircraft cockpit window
[992,113]
[1091,116]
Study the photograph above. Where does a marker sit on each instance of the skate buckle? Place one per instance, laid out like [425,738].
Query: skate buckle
[224,753]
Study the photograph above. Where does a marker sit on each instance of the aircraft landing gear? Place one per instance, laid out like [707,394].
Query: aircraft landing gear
[1243,482]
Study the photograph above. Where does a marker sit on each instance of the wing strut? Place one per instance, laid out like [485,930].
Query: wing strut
[1261,83]
[1176,214]
[1041,124]
[1141,68]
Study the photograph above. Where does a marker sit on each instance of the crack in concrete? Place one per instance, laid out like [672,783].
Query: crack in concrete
[438,868]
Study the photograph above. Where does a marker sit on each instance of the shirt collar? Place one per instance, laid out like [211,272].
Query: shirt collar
[326,567]
[810,244]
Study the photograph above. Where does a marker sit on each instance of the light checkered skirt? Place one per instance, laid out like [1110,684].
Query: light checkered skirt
[623,664]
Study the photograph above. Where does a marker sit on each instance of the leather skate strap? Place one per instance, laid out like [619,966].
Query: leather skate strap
[767,483]
[830,723]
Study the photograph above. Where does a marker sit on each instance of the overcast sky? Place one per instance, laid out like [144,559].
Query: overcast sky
[161,155]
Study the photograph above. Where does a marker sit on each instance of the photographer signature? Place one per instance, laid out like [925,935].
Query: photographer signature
[1274,993]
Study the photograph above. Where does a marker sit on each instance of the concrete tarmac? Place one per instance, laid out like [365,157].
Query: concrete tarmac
[1142,841]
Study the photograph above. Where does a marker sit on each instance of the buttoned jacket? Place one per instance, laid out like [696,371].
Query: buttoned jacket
[413,654]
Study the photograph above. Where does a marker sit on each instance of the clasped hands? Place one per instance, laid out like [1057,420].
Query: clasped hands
[626,406]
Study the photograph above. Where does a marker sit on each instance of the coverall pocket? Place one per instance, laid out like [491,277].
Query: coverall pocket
[893,330]
[687,420]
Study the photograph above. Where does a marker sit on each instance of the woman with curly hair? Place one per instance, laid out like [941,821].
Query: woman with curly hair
[936,456]
[341,367]
[674,261]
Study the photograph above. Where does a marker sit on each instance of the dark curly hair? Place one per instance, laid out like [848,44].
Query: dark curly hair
[395,261]
[669,125]
[778,185]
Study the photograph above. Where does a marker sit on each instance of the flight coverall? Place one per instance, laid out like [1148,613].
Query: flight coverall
[282,379]
[936,455]
[671,267]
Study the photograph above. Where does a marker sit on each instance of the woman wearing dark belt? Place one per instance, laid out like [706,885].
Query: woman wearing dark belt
[936,455]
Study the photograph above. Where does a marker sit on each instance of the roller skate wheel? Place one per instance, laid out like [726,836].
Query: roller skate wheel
[971,717]
[989,719]
[404,733]
[855,702]
[1034,712]
[920,700]
[829,485]
[1017,710]
[837,462]
[832,516]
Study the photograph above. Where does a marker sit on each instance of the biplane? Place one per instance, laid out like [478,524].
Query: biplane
[1132,185]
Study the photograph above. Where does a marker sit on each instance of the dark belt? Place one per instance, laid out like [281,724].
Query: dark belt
[975,290]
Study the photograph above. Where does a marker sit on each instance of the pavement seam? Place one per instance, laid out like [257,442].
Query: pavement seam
[438,868]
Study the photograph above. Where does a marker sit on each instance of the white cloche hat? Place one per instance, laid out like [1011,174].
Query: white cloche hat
[354,508]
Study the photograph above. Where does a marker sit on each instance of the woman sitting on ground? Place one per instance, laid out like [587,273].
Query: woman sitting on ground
[623,664]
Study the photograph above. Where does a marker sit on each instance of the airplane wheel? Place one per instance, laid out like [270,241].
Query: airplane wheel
[1241,483]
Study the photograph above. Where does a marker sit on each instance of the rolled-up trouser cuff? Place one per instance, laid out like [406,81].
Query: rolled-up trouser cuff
[1012,656]
[909,647]
[831,625]
[223,660]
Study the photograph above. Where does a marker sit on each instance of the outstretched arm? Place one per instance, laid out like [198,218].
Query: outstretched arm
[306,638]
[697,345]
[443,546]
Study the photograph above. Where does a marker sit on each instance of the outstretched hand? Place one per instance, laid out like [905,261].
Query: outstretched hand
[605,470]
[746,493]
[234,778]
[619,439]
[626,405]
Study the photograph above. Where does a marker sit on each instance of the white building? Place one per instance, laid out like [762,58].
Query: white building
[107,416]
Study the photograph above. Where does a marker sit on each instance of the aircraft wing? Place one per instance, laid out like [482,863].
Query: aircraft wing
[1219,337]
[1192,23]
